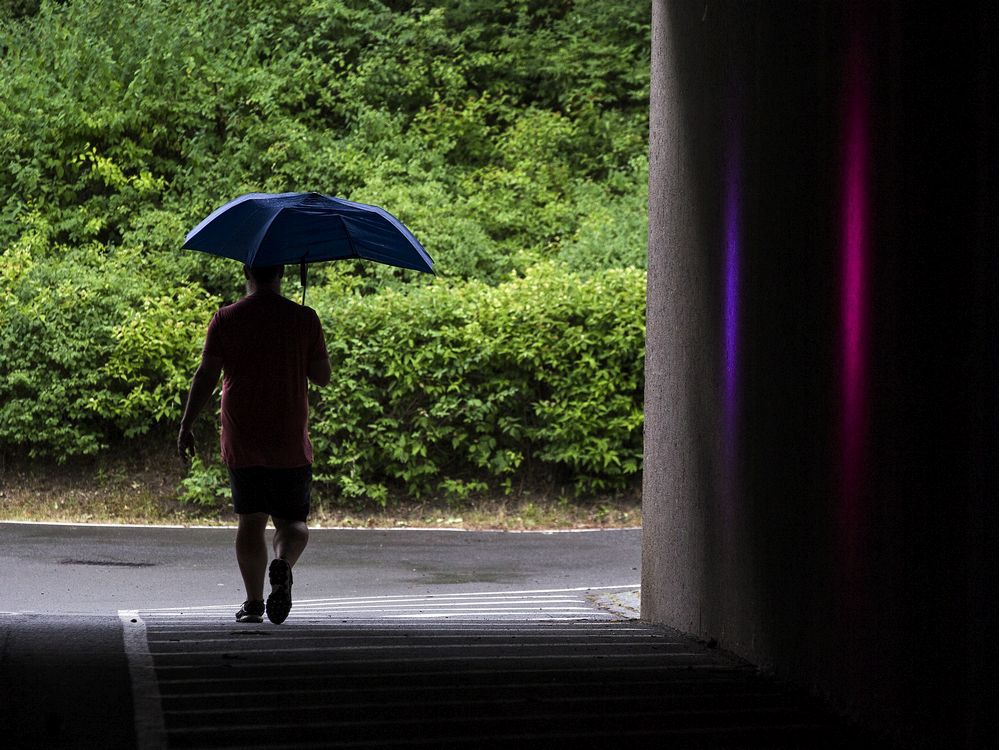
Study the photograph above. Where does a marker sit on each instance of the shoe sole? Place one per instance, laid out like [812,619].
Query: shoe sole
[250,618]
[279,602]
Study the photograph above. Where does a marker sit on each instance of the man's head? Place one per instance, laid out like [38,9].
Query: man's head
[263,275]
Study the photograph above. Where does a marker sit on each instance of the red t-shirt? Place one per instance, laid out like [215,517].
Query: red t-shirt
[266,343]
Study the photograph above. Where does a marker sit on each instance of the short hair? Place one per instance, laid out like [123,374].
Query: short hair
[264,274]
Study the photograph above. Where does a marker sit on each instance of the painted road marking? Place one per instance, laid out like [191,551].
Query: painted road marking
[530,604]
[150,733]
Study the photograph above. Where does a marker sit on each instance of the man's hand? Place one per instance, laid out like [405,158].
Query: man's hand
[185,444]
[204,382]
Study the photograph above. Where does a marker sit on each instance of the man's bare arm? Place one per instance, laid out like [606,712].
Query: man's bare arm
[205,379]
[319,371]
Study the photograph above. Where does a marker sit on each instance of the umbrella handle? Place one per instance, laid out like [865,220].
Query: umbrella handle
[302,279]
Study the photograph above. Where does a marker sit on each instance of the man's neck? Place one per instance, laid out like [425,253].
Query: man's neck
[253,287]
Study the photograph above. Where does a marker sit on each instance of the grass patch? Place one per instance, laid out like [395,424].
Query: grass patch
[503,513]
[142,489]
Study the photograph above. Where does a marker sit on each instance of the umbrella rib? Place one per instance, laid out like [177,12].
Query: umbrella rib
[395,223]
[350,239]
[262,234]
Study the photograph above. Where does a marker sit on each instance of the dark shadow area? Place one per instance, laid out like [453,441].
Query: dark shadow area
[64,683]
[821,406]
[470,683]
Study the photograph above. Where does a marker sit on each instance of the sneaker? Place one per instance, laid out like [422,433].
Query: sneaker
[251,612]
[280,600]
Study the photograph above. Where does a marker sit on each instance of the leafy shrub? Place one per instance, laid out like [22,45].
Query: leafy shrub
[206,483]
[487,127]
[149,369]
[441,385]
[91,349]
[508,136]
[437,388]
[611,231]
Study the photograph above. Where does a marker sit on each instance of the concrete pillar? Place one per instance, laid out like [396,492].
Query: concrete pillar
[680,423]
[821,350]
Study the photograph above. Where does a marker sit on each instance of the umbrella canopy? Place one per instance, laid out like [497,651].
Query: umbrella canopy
[266,229]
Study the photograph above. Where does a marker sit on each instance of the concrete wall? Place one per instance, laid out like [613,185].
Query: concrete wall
[820,491]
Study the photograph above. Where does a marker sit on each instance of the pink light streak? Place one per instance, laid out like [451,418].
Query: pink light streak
[854,286]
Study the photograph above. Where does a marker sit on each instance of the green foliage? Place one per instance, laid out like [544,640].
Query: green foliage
[206,483]
[148,371]
[491,129]
[442,385]
[15,9]
[90,350]
[508,135]
[612,230]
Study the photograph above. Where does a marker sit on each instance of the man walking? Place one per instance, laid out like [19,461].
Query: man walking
[267,347]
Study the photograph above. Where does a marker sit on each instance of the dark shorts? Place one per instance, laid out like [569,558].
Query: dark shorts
[281,493]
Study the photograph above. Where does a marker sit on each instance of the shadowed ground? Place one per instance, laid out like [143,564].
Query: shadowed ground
[429,639]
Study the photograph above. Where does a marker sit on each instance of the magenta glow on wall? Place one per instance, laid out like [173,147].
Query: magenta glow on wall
[854,285]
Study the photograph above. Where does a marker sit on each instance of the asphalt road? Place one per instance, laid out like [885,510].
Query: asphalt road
[64,677]
[61,569]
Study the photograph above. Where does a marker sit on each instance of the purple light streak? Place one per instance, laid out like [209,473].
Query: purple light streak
[732,222]
[731,282]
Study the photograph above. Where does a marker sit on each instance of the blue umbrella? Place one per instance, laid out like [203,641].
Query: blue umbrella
[265,229]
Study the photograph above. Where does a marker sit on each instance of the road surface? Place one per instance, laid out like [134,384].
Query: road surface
[61,569]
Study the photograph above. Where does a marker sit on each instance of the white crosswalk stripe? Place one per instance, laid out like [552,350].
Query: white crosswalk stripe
[532,605]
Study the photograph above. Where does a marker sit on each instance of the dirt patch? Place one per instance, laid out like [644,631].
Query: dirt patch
[123,488]
[140,488]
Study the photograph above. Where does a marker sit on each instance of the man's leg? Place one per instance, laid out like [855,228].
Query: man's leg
[290,538]
[251,553]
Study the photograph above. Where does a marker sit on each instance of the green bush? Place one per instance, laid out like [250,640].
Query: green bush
[437,389]
[439,386]
[510,137]
[206,483]
[611,232]
[91,348]
[491,129]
